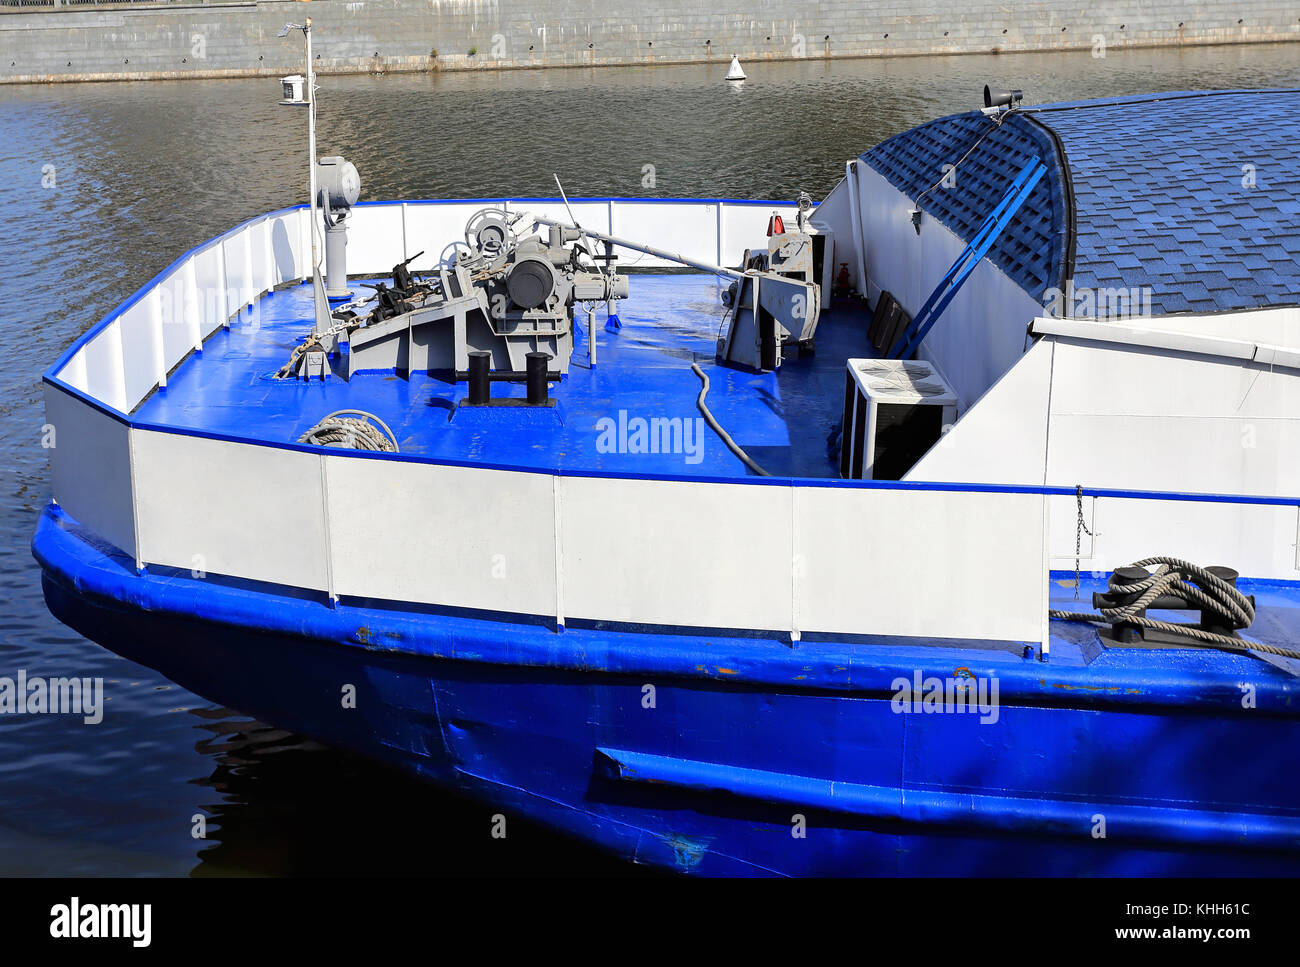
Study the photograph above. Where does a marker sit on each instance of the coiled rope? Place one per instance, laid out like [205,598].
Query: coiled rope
[1210,593]
[732,445]
[355,431]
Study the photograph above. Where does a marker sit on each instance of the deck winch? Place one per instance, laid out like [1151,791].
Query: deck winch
[777,300]
[775,297]
[509,293]
[497,292]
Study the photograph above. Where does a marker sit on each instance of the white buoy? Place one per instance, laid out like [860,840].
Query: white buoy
[734,73]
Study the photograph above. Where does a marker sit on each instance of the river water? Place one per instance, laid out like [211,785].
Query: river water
[103,185]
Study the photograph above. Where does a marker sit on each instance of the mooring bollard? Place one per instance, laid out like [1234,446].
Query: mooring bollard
[480,385]
[536,376]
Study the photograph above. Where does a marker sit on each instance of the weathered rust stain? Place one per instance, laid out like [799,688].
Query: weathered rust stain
[1109,689]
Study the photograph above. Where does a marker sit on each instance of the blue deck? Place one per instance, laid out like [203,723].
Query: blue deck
[670,321]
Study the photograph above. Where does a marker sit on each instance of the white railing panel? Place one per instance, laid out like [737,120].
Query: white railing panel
[1259,540]
[237,509]
[210,297]
[239,271]
[920,563]
[431,228]
[593,215]
[259,244]
[745,226]
[286,234]
[482,539]
[180,310]
[90,467]
[676,553]
[104,377]
[73,371]
[141,329]
[689,229]
[375,239]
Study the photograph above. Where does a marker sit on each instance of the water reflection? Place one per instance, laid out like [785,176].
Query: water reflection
[279,804]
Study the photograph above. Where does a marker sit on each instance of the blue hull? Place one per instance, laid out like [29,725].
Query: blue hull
[745,734]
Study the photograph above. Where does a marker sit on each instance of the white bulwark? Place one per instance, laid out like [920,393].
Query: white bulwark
[982,517]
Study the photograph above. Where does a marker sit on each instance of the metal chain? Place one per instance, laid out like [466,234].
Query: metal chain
[1079,528]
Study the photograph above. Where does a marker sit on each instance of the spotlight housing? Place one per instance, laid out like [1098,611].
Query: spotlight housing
[1006,99]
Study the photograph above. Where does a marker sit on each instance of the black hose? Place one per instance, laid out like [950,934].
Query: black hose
[732,445]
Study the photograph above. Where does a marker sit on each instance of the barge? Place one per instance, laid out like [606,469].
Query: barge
[949,525]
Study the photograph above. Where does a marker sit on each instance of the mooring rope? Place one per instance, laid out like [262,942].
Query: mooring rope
[356,432]
[1211,593]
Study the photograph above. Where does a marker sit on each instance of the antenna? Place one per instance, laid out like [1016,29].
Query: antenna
[319,299]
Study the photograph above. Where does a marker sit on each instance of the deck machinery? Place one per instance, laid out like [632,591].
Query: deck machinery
[508,292]
[497,292]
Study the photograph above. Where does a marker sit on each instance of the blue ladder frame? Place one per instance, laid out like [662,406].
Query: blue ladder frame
[997,220]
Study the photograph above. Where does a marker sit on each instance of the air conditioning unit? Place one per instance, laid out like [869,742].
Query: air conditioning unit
[894,411]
